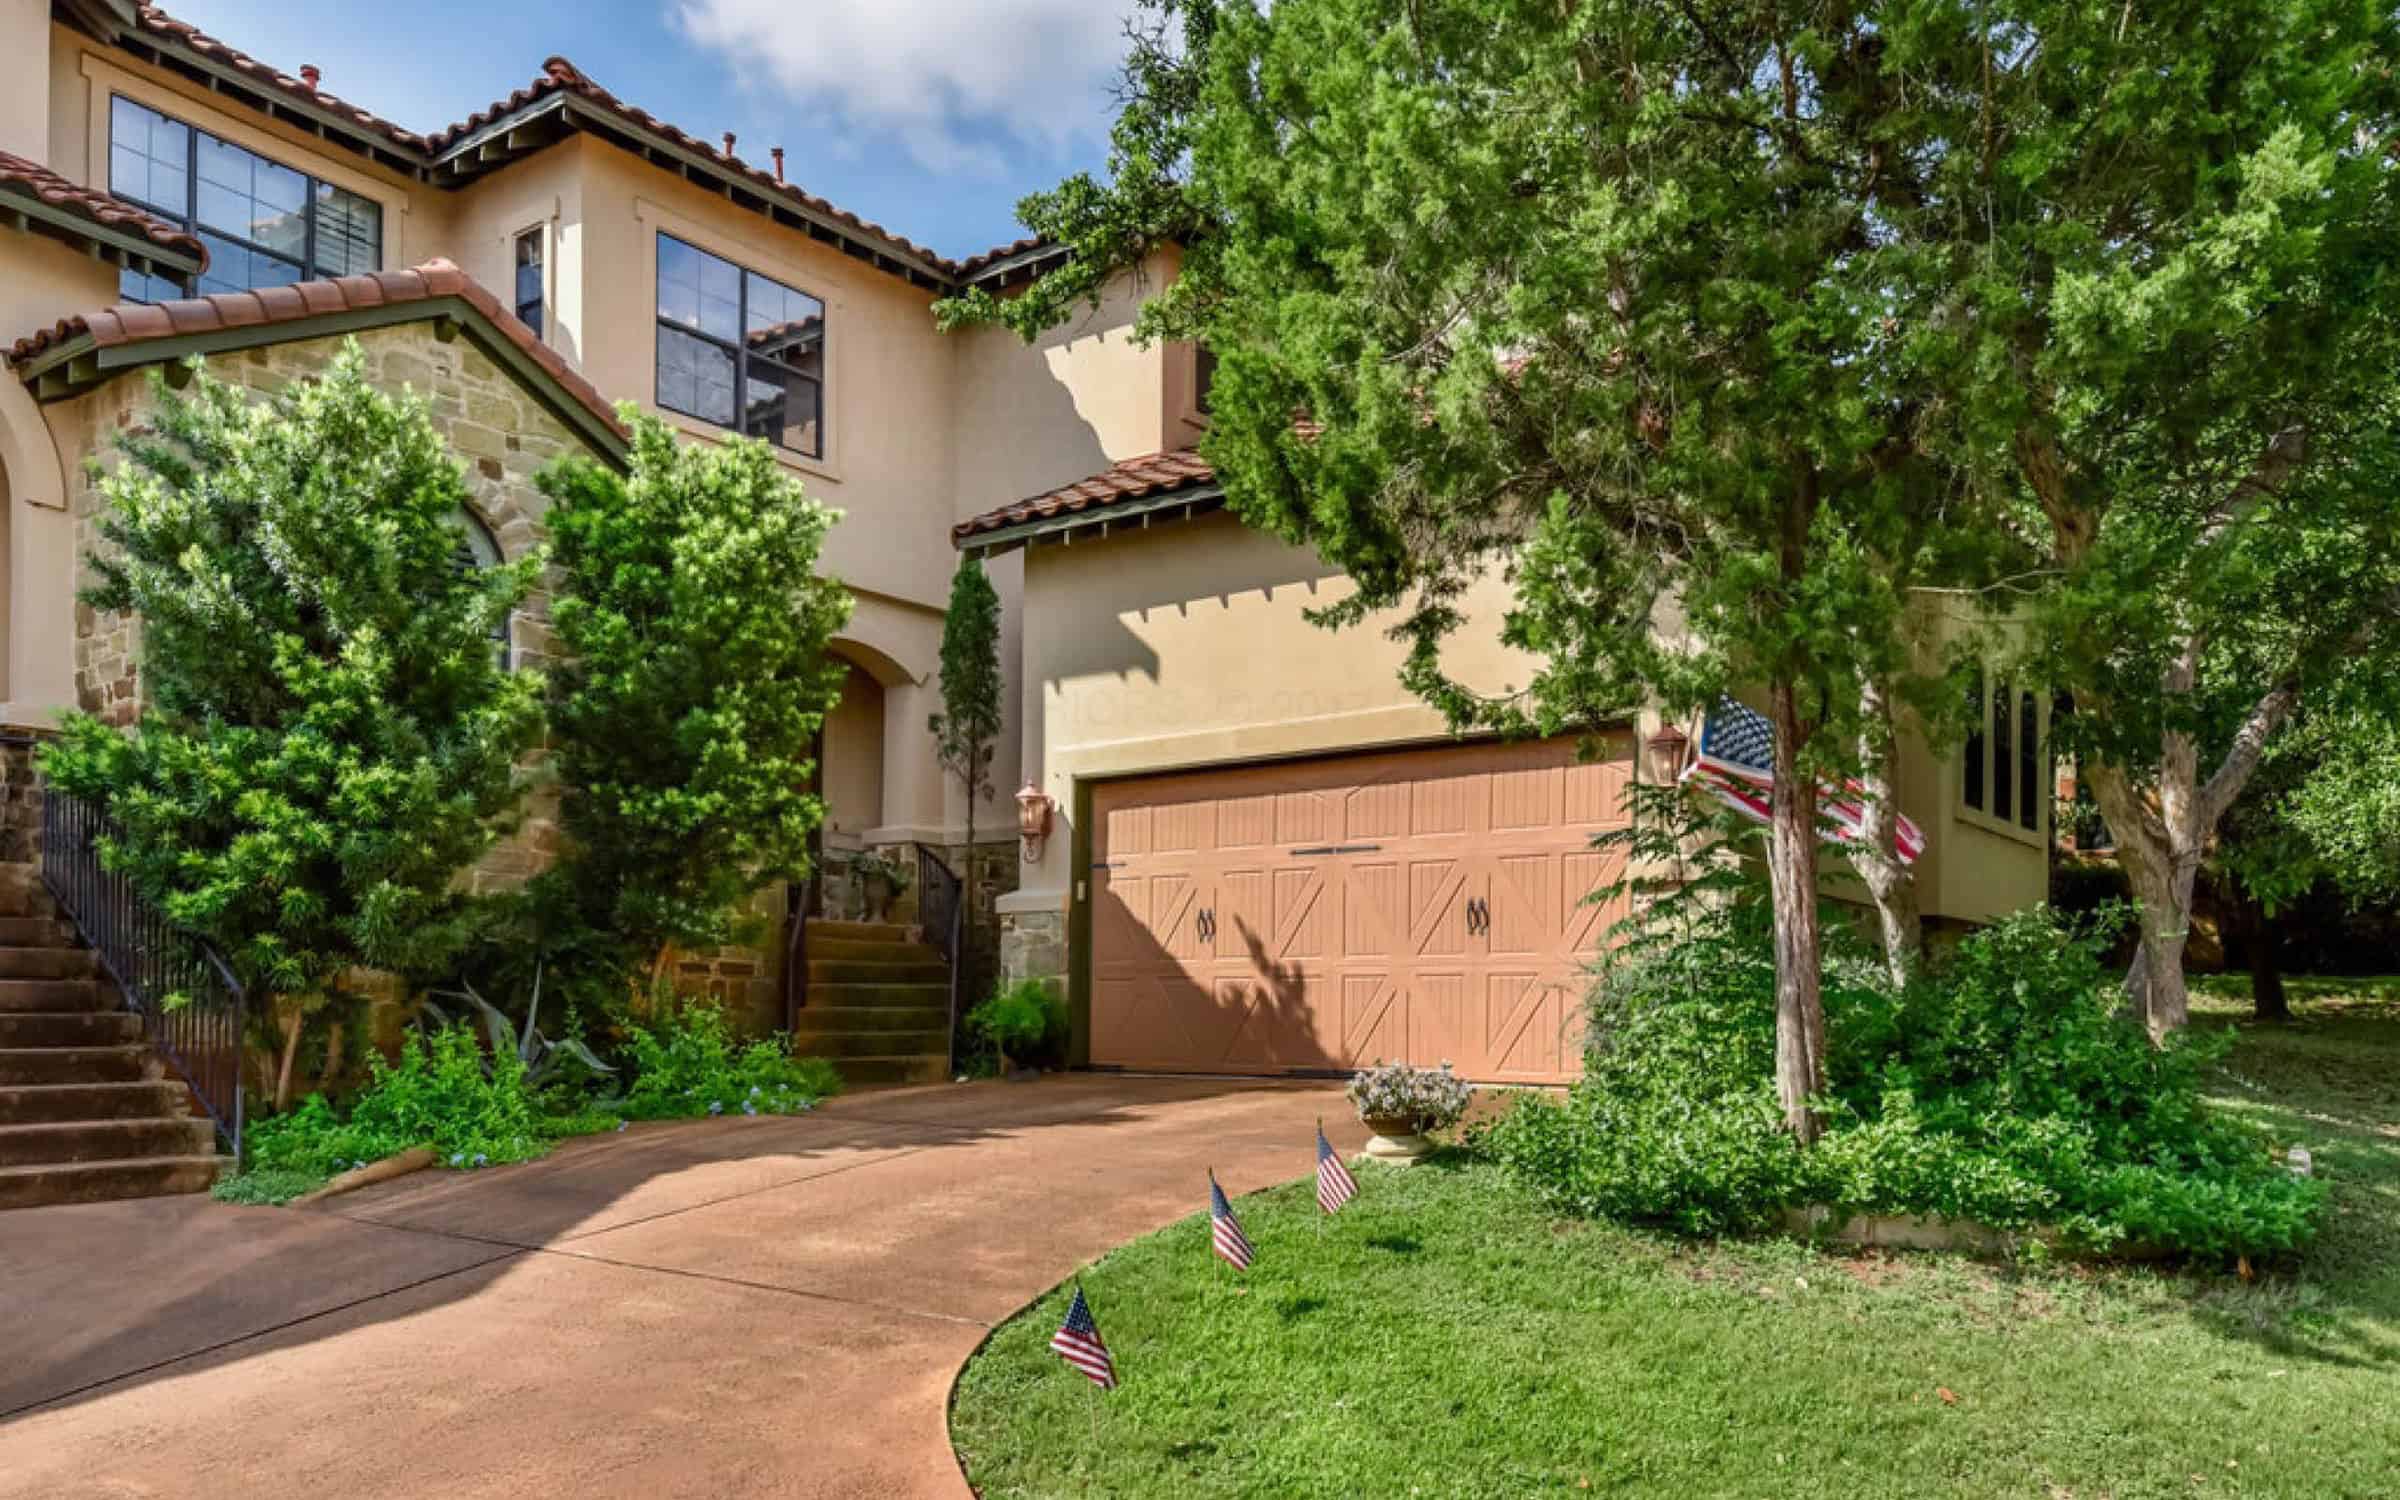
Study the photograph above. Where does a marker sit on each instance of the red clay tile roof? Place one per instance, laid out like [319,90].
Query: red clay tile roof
[84,203]
[158,23]
[559,75]
[136,322]
[1134,479]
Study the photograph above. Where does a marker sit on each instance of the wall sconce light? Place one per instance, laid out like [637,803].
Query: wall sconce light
[1033,820]
[1667,748]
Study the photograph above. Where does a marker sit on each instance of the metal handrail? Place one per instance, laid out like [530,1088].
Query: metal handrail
[193,1009]
[795,954]
[942,913]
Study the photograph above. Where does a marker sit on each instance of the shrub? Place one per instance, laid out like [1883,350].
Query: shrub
[441,1092]
[687,1063]
[1026,1020]
[2001,1088]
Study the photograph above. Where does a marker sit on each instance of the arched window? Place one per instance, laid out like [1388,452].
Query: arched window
[479,549]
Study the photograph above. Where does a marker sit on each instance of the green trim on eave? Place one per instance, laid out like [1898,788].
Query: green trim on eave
[87,367]
[1195,498]
[23,210]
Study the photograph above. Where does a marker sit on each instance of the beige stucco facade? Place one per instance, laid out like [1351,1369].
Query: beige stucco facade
[1173,645]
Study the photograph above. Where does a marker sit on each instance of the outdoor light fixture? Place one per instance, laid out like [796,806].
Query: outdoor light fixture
[1033,819]
[1666,752]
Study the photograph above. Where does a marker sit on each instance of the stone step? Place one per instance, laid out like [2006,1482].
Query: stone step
[55,994]
[833,1020]
[841,1044]
[864,1070]
[865,996]
[51,1103]
[69,1028]
[127,1064]
[861,932]
[904,967]
[67,1141]
[35,932]
[94,1182]
[48,963]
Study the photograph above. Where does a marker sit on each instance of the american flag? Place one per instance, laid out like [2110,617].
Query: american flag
[1078,1343]
[1225,1229]
[1335,1185]
[1736,765]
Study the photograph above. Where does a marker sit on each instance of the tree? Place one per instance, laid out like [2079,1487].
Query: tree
[2322,815]
[697,677]
[2178,261]
[967,730]
[1606,308]
[328,739]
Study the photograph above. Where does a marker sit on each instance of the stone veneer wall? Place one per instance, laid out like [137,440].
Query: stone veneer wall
[503,437]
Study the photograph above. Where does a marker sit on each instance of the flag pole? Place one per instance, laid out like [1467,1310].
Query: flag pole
[1317,1177]
[1098,1395]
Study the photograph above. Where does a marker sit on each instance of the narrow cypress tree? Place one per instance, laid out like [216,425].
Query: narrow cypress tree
[967,730]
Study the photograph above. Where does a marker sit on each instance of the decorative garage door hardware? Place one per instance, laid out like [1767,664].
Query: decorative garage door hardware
[1207,925]
[1479,917]
[1337,849]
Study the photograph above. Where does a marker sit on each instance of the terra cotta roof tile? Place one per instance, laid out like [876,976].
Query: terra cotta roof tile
[1132,479]
[158,23]
[98,207]
[135,322]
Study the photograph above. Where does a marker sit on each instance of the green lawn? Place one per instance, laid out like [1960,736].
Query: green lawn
[1444,1337]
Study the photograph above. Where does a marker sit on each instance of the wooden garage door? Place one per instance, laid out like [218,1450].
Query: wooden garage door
[1423,904]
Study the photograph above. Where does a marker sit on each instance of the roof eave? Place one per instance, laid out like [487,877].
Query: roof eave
[80,364]
[27,212]
[220,77]
[1027,263]
[1098,521]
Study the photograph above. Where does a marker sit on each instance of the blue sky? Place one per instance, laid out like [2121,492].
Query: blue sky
[931,117]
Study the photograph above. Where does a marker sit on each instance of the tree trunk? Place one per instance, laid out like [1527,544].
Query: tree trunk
[1792,870]
[2265,942]
[295,1019]
[1889,880]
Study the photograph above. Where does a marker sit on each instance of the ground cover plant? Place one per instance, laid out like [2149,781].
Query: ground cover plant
[2000,1087]
[1451,1334]
[475,1102]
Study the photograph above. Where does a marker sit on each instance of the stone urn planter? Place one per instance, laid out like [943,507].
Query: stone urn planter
[1401,1104]
[1399,1139]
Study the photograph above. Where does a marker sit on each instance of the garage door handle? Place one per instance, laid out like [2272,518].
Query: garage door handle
[1479,917]
[1206,924]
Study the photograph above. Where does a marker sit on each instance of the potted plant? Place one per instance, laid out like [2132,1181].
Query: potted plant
[1401,1103]
[882,876]
[1018,1020]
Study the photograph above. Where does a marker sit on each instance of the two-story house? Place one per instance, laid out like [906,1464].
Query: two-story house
[1262,854]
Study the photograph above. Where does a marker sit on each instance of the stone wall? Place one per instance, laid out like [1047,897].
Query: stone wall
[1033,945]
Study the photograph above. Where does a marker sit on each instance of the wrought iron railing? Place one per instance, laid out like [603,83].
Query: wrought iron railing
[192,1007]
[942,912]
[795,951]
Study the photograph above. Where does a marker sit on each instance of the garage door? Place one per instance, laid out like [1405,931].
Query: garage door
[1424,904]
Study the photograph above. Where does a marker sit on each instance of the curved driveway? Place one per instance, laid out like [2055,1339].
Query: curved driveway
[771,1307]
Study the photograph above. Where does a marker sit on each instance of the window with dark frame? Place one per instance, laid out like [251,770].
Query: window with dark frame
[529,259]
[739,349]
[2001,765]
[265,224]
[477,551]
[1204,378]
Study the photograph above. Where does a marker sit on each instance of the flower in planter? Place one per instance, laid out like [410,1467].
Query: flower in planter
[1435,1098]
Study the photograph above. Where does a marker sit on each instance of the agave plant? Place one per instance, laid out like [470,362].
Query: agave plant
[542,1056]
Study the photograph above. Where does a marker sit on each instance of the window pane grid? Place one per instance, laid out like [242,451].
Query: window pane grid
[265,224]
[739,349]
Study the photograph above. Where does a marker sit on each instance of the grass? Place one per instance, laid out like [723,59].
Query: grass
[1446,1337]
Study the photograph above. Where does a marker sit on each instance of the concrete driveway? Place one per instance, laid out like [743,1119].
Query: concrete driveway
[730,1308]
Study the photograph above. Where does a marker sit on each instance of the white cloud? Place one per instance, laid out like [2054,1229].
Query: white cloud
[941,77]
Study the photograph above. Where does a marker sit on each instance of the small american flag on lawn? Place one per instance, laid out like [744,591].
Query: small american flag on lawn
[1078,1343]
[1225,1229]
[1736,765]
[1335,1185]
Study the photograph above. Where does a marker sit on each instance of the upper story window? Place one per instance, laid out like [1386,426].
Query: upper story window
[2002,769]
[740,350]
[1204,378]
[528,306]
[264,224]
[478,550]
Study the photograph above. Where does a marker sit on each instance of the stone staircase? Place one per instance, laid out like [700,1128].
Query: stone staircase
[87,1110]
[878,1005]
